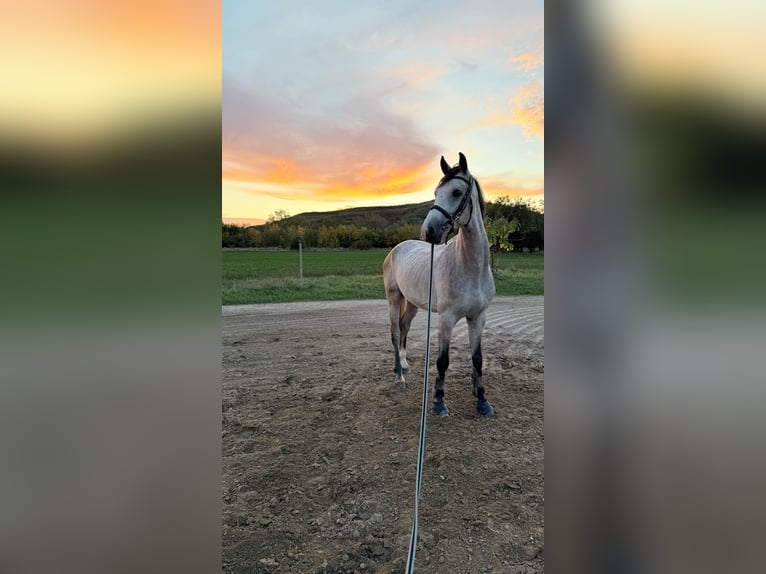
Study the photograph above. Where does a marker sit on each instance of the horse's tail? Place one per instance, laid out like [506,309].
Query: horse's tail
[388,278]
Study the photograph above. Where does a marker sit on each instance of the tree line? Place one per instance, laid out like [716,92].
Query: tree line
[512,225]
[351,236]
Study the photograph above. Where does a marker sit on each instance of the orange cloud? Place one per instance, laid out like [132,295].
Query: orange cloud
[528,109]
[527,61]
[285,178]
[282,171]
[365,151]
[268,169]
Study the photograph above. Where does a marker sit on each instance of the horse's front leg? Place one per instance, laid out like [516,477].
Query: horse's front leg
[446,323]
[475,330]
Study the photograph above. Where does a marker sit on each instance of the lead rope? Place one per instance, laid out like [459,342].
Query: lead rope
[422,441]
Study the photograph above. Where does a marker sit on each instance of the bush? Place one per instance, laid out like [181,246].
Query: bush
[361,244]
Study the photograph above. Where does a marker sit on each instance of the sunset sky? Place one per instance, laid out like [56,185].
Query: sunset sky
[81,72]
[330,105]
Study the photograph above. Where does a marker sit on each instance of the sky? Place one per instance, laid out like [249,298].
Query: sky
[82,71]
[328,105]
[711,47]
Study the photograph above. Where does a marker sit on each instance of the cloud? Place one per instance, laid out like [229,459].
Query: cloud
[357,149]
[360,104]
[528,109]
[497,187]
[513,183]
[415,73]
[464,66]
[528,61]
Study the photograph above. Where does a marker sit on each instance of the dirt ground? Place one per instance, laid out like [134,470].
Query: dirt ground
[319,445]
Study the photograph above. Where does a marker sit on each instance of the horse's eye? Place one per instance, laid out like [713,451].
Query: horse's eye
[456,193]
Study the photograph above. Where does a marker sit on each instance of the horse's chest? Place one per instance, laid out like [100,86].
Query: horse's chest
[468,297]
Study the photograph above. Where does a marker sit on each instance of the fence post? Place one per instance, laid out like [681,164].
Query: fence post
[300,259]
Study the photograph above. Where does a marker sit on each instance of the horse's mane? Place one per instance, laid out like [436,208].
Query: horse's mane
[481,197]
[455,170]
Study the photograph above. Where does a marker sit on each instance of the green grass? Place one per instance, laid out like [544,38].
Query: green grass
[519,274]
[272,276]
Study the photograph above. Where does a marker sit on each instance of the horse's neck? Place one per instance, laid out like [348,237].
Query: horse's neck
[471,242]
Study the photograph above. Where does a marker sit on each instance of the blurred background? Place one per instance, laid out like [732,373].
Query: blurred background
[109,340]
[110,119]
[655,277]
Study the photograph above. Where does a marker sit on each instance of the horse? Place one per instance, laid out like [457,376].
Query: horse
[463,285]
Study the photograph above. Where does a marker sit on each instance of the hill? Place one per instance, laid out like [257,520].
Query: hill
[379,217]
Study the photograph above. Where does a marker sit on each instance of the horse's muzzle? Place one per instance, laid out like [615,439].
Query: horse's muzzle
[427,233]
[431,232]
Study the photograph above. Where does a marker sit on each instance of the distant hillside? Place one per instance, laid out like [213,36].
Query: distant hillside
[379,217]
[515,222]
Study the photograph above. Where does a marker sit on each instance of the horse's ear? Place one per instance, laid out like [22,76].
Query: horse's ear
[463,162]
[445,166]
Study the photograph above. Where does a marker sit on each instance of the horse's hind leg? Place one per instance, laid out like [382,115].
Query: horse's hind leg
[446,323]
[395,303]
[475,330]
[404,327]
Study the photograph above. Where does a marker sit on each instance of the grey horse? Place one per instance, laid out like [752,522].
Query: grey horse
[463,285]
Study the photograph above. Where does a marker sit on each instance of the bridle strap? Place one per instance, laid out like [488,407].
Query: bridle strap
[453,217]
[443,211]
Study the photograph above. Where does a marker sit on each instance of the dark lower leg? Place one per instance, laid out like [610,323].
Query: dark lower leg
[445,332]
[403,330]
[439,392]
[403,354]
[441,366]
[478,388]
[482,404]
[440,409]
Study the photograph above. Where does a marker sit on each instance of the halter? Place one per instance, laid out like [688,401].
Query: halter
[452,218]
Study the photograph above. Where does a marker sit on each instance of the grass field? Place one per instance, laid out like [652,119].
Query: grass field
[272,276]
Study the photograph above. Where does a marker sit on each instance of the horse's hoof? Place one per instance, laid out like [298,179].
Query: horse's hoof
[484,408]
[440,409]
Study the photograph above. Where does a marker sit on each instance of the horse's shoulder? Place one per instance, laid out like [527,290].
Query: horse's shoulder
[410,246]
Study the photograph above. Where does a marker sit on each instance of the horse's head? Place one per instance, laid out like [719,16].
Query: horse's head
[451,206]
